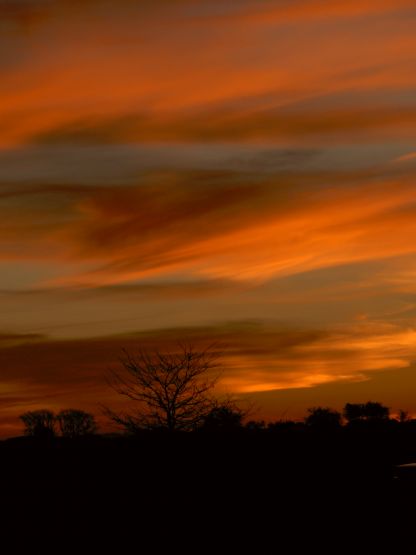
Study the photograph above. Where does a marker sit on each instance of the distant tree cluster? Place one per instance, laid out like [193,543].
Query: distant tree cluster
[354,413]
[223,417]
[70,423]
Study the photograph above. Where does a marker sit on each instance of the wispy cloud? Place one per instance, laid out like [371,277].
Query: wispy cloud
[240,232]
[216,224]
[99,72]
[406,157]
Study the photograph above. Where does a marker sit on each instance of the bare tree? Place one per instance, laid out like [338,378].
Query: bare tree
[172,389]
[75,423]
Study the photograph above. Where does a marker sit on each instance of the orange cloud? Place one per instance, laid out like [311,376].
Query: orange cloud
[318,9]
[238,232]
[406,157]
[226,124]
[347,355]
[183,77]
[210,224]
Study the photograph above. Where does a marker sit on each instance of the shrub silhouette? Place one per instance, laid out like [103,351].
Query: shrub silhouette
[323,418]
[75,423]
[366,412]
[39,423]
[223,417]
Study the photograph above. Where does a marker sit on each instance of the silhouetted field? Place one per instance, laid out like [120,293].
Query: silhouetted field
[249,482]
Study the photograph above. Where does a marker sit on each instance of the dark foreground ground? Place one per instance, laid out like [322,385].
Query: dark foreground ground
[284,493]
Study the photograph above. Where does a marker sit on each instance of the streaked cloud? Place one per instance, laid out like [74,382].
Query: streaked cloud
[213,225]
[169,71]
[406,157]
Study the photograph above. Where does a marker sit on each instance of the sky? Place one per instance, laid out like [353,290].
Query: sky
[208,171]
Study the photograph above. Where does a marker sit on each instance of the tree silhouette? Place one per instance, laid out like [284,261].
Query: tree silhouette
[367,412]
[404,416]
[323,418]
[224,416]
[75,423]
[376,411]
[39,423]
[354,412]
[171,389]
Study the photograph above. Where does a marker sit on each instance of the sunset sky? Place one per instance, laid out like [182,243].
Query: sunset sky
[233,171]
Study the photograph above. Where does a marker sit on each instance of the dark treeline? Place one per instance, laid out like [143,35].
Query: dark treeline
[282,476]
[223,417]
[362,445]
[223,482]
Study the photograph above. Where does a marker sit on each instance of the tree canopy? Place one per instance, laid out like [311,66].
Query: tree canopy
[370,412]
[323,418]
[44,423]
[76,423]
[39,423]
